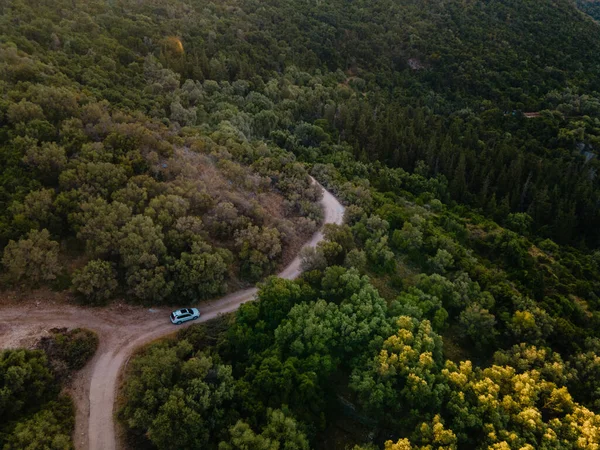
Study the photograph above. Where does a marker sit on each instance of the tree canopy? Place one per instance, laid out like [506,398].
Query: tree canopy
[161,151]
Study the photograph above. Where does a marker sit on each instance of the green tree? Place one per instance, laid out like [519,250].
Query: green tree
[49,159]
[37,208]
[281,432]
[33,259]
[150,285]
[399,384]
[96,283]
[477,324]
[166,209]
[442,261]
[584,385]
[259,249]
[26,382]
[201,273]
[356,259]
[50,428]
[379,254]
[519,223]
[418,304]
[253,329]
[24,111]
[177,398]
[141,243]
[410,238]
[100,226]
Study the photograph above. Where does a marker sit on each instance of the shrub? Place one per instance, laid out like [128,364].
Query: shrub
[70,349]
[33,259]
[50,428]
[25,382]
[96,283]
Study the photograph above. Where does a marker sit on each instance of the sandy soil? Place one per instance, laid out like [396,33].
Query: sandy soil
[121,329]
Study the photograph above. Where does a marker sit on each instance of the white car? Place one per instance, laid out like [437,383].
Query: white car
[183,315]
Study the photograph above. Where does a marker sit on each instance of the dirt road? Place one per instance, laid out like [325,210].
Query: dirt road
[121,329]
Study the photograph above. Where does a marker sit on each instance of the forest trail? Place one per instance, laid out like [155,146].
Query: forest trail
[121,329]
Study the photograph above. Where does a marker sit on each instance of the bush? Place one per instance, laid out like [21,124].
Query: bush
[519,223]
[70,349]
[259,250]
[32,414]
[25,382]
[96,283]
[33,259]
[50,428]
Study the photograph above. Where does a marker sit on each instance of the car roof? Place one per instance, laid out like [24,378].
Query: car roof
[183,311]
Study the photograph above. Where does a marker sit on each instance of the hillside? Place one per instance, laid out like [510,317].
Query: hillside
[160,152]
[474,65]
[107,200]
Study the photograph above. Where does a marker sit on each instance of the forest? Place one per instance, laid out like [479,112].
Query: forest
[591,7]
[162,152]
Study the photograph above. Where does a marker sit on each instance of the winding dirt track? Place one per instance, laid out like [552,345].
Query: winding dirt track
[121,330]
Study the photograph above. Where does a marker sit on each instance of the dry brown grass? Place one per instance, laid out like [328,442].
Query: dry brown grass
[272,204]
[43,295]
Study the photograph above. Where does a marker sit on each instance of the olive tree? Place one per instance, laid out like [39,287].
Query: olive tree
[49,159]
[201,273]
[96,283]
[281,432]
[33,259]
[99,226]
[259,248]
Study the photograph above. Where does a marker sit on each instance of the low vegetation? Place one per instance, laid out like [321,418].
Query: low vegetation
[69,350]
[34,412]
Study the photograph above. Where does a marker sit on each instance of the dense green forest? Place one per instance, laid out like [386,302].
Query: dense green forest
[414,326]
[396,83]
[161,151]
[34,413]
[591,7]
[111,201]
